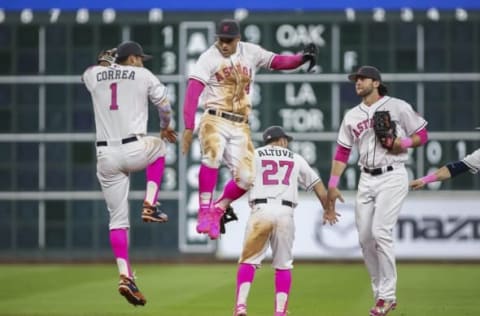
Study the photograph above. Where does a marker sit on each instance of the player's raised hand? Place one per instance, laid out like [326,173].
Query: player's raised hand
[330,216]
[309,55]
[186,140]
[169,134]
[417,184]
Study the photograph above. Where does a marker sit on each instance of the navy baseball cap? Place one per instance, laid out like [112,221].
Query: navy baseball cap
[128,48]
[228,28]
[372,73]
[273,133]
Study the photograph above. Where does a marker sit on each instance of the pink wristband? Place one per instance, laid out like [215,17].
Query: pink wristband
[429,178]
[406,142]
[333,182]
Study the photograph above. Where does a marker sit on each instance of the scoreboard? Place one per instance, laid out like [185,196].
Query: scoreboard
[427,57]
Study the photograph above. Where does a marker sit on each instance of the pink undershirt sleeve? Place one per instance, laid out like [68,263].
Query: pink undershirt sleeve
[194,90]
[342,154]
[285,62]
[423,134]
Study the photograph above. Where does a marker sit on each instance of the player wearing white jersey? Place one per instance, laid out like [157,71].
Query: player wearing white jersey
[470,163]
[383,183]
[273,198]
[120,94]
[224,74]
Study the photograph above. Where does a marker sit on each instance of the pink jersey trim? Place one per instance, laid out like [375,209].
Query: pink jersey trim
[194,89]
[342,154]
[284,62]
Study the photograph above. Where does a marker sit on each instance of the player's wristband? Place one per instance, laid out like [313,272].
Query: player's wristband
[429,178]
[333,182]
[406,142]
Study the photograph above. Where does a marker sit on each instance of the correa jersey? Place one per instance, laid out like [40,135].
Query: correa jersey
[228,80]
[279,171]
[120,97]
[357,128]
[473,161]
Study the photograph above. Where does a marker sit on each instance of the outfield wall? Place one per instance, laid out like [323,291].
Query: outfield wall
[431,226]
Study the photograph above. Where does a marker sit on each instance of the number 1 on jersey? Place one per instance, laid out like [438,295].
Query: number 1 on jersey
[113,103]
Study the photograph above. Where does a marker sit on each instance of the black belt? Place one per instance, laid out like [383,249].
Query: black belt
[228,116]
[124,141]
[377,171]
[265,201]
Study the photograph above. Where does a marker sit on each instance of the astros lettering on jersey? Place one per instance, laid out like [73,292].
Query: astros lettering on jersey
[228,80]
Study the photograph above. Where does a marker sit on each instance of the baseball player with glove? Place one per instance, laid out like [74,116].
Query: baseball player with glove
[224,74]
[452,169]
[383,128]
[120,93]
[273,198]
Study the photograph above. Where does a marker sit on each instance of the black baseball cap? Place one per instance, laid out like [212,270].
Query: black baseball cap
[228,28]
[128,48]
[372,73]
[273,133]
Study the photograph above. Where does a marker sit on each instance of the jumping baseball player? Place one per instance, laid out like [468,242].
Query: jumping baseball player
[273,198]
[224,74]
[450,170]
[383,128]
[120,93]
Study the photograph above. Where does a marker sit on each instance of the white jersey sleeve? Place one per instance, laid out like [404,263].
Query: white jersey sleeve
[410,120]
[307,176]
[205,67]
[157,92]
[262,58]
[345,136]
[473,161]
[88,77]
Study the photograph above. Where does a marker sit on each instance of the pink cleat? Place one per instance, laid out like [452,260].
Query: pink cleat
[382,307]
[240,310]
[216,215]
[203,220]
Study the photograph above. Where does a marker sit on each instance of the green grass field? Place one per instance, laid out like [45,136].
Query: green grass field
[208,290]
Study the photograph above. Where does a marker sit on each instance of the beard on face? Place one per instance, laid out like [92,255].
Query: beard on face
[365,92]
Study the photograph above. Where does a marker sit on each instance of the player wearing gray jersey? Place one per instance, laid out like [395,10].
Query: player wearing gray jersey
[383,183]
[452,169]
[273,198]
[120,93]
[223,76]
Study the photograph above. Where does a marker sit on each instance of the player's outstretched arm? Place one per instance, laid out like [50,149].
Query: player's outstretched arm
[333,193]
[194,90]
[440,175]
[287,62]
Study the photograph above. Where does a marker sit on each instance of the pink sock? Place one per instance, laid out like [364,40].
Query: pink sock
[154,175]
[231,192]
[207,179]
[119,244]
[283,282]
[245,275]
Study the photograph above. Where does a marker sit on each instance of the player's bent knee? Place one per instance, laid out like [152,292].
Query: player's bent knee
[211,163]
[244,179]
